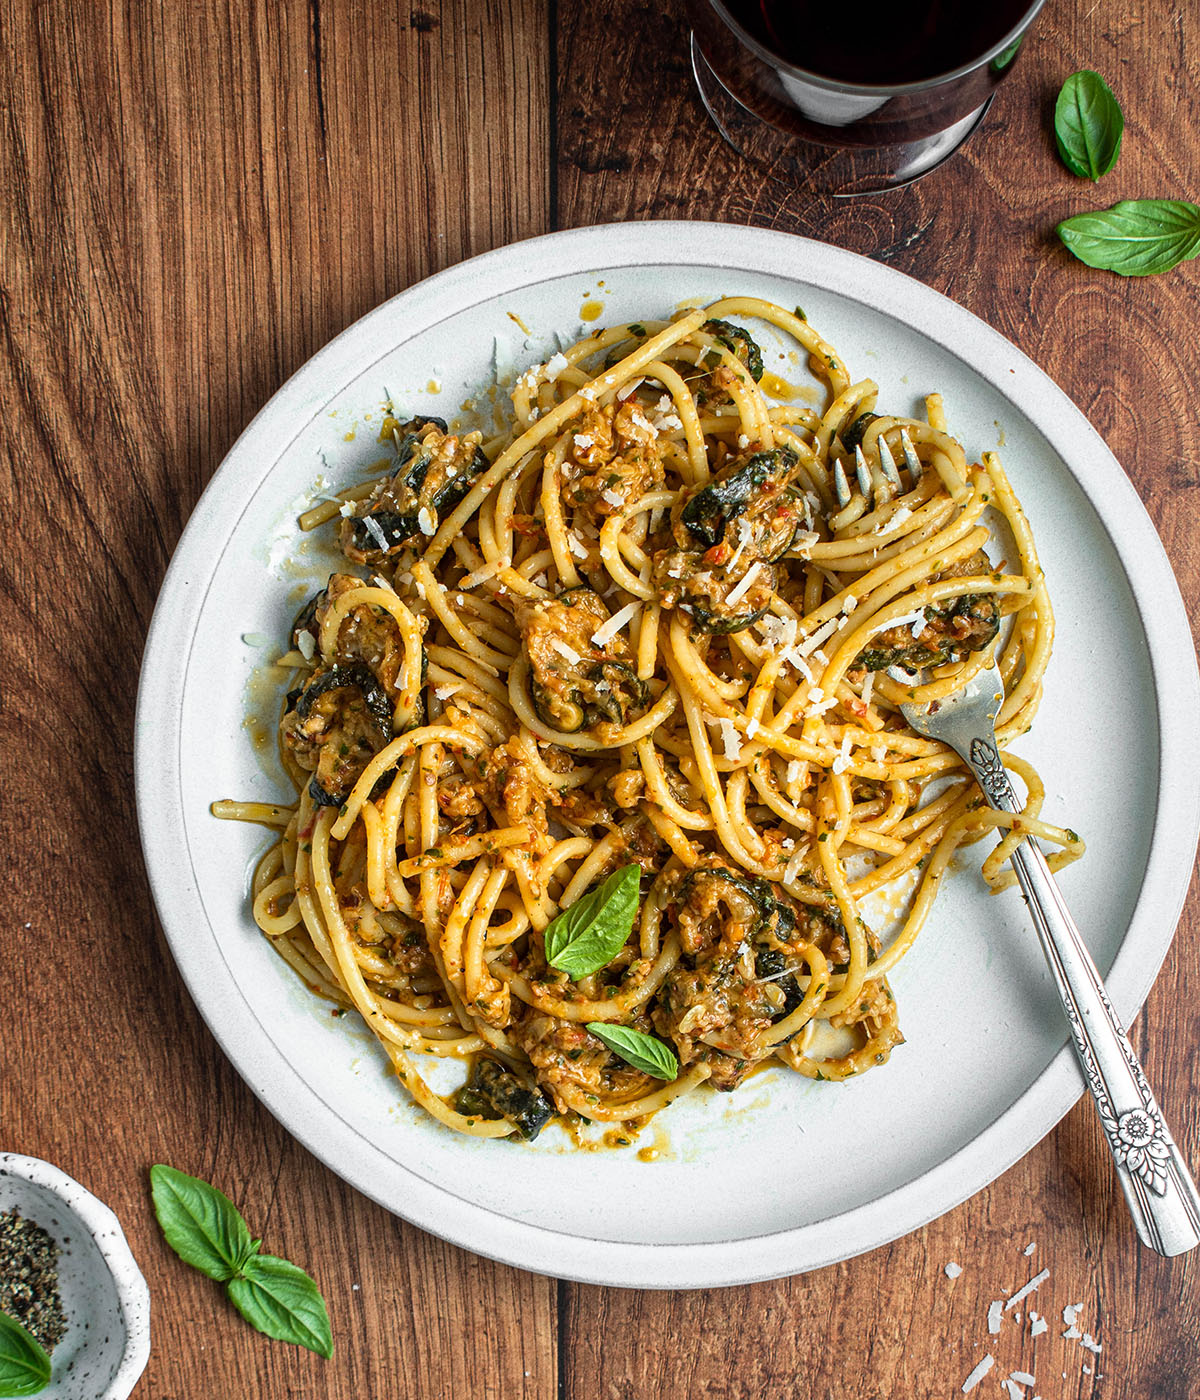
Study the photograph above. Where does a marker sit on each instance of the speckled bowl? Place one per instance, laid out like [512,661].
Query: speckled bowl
[105,1298]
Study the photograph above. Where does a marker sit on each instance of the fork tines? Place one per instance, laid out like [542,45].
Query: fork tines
[882,482]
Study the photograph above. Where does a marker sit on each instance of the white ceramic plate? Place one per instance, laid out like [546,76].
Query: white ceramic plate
[784,1175]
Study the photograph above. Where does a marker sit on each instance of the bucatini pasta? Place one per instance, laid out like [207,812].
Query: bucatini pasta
[629,661]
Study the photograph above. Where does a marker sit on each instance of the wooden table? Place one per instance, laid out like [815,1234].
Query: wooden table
[197,196]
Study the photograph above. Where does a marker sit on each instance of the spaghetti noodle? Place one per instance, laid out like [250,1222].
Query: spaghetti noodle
[648,626]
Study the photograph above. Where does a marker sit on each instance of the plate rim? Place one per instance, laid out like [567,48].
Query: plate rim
[1015,1130]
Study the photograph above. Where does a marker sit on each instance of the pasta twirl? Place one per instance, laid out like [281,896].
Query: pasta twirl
[650,626]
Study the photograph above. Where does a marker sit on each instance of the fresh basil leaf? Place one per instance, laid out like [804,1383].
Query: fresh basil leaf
[588,935]
[644,1052]
[281,1300]
[201,1224]
[1088,123]
[1137,237]
[24,1365]
[1006,56]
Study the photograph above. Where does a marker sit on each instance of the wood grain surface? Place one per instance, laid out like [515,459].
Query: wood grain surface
[196,196]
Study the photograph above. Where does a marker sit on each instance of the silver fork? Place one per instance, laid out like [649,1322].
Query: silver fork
[881,482]
[1158,1186]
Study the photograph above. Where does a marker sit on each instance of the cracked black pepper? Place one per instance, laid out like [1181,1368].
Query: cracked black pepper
[29,1278]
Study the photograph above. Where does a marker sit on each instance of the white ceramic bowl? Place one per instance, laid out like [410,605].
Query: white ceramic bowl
[107,1304]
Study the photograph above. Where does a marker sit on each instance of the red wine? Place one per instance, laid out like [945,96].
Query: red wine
[878,42]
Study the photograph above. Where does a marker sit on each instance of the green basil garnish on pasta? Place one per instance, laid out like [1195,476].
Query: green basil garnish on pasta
[24,1364]
[1137,237]
[636,1048]
[206,1230]
[1088,124]
[588,935]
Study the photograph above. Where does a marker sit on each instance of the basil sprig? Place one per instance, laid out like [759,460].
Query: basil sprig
[206,1230]
[588,935]
[1137,237]
[24,1365]
[636,1048]
[1088,123]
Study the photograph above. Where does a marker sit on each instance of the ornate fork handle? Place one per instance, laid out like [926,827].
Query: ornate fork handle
[1158,1186]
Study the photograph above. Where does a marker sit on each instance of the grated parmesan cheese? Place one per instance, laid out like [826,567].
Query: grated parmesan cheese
[779,632]
[346,508]
[626,389]
[811,643]
[553,367]
[1022,1378]
[978,1373]
[1091,1344]
[444,692]
[374,531]
[744,585]
[564,650]
[576,546]
[307,644]
[897,518]
[952,1270]
[1031,1287]
[582,441]
[795,771]
[745,533]
[1038,1326]
[1029,1248]
[608,630]
[612,498]
[849,603]
[995,1312]
[842,761]
[907,620]
[868,688]
[794,866]
[731,740]
[1014,1390]
[427,521]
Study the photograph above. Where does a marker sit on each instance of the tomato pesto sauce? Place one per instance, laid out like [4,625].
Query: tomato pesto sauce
[596,752]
